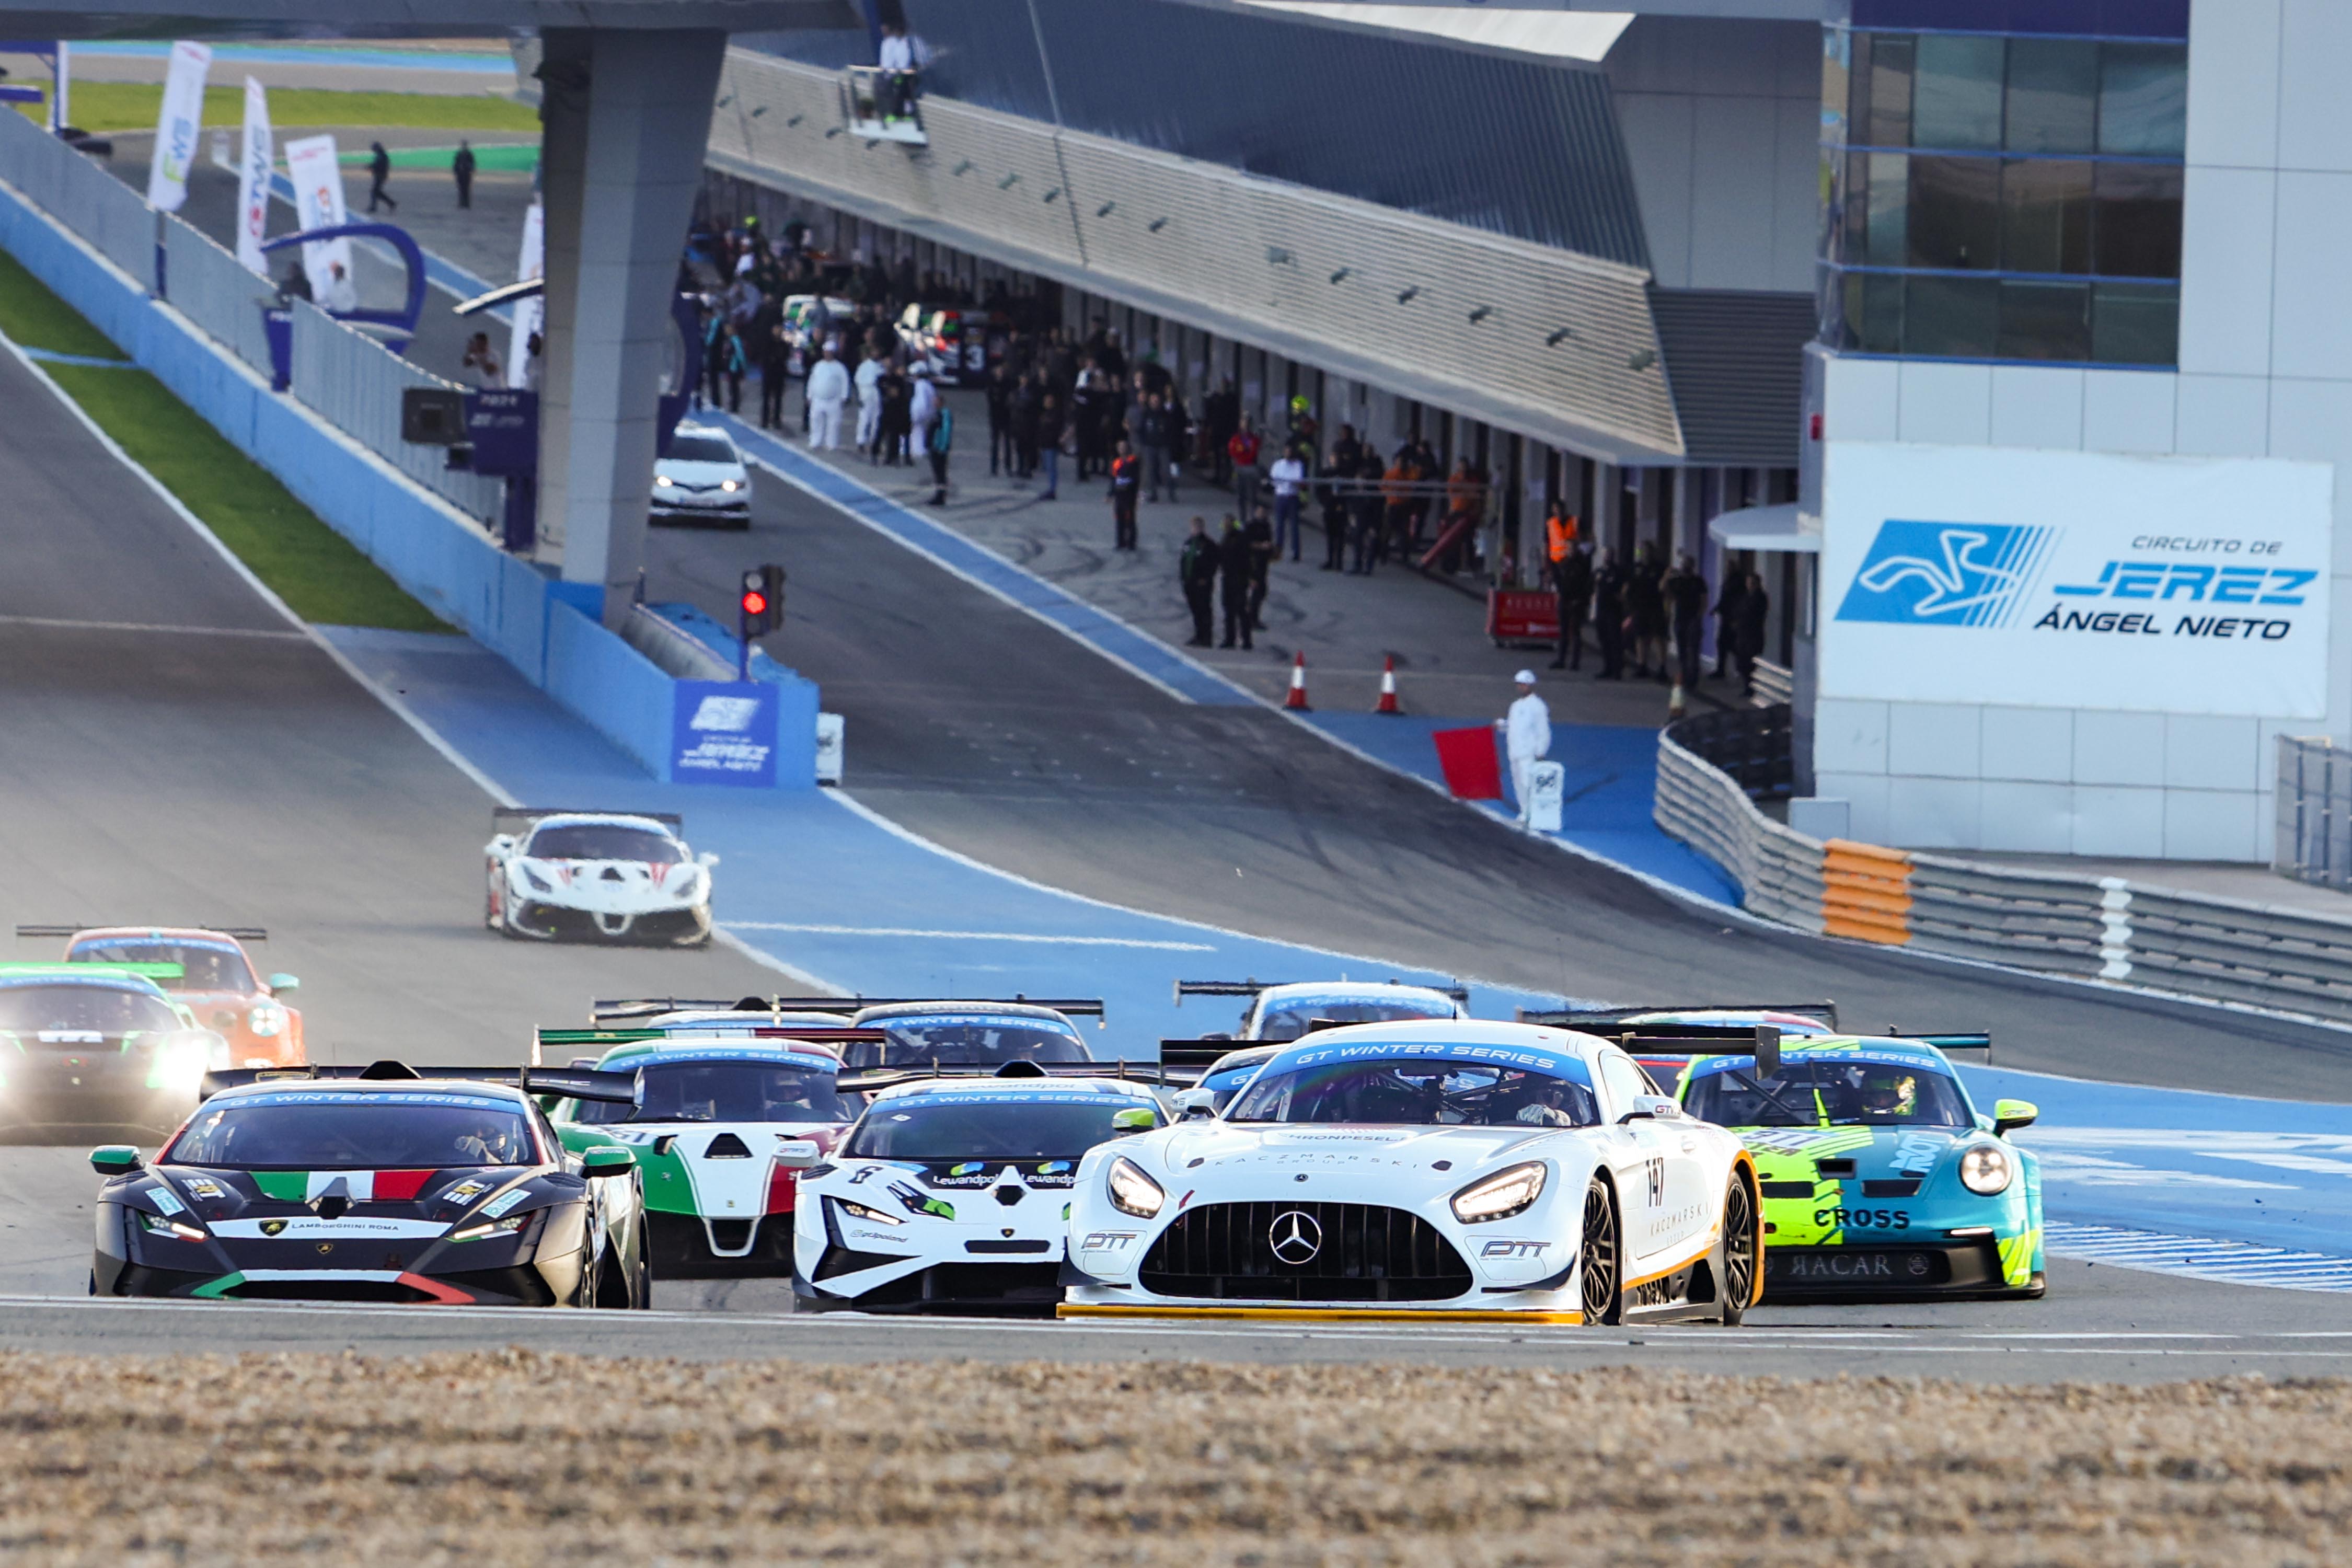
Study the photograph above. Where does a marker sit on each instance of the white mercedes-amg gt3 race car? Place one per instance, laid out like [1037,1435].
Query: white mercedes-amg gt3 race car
[1445,1168]
[596,875]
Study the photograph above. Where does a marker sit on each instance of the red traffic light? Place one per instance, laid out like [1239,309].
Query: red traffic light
[755,602]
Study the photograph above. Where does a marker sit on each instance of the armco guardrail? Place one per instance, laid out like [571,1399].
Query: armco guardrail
[2096,928]
[354,383]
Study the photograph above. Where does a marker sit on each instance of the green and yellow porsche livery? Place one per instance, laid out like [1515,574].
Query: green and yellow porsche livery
[1880,1177]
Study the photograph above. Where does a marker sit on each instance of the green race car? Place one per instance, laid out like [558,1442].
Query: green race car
[712,1114]
[1880,1177]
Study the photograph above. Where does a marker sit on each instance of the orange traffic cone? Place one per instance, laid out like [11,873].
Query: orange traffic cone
[1387,702]
[1298,698]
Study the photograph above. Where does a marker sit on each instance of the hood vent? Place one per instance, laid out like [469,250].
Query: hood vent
[726,1146]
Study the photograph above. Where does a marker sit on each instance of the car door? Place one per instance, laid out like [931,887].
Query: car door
[1662,1196]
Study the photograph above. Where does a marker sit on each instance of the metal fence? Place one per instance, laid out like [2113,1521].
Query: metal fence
[2314,842]
[210,287]
[354,383]
[80,193]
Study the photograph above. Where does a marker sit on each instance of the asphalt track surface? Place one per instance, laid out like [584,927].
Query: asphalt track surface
[169,751]
[977,726]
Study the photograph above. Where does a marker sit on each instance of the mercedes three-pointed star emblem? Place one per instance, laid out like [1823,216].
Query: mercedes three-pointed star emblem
[1296,1237]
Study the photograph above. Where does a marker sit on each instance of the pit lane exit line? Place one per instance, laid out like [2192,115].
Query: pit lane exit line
[971,935]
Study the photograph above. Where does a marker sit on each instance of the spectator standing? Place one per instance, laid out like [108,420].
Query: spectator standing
[922,407]
[1425,467]
[1288,477]
[461,169]
[1179,427]
[1687,609]
[1609,615]
[1559,545]
[868,381]
[379,171]
[1646,602]
[1151,436]
[1260,533]
[1242,452]
[727,365]
[1000,420]
[1086,396]
[1125,476]
[1572,579]
[1397,491]
[775,375]
[1196,570]
[481,361]
[1049,442]
[342,295]
[534,354]
[1466,499]
[1234,576]
[938,438]
[1224,417]
[1337,469]
[1748,641]
[1527,739]
[1025,399]
[1727,618]
[828,389]
[1367,507]
[897,407]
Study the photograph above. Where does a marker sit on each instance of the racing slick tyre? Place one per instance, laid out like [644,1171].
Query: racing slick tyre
[1598,1255]
[493,917]
[2035,1288]
[1735,1279]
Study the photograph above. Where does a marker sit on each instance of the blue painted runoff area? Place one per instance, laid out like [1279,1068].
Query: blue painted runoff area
[281,55]
[1613,775]
[1106,634]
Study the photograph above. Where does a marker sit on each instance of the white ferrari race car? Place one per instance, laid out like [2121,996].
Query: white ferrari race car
[596,875]
[954,1193]
[1454,1168]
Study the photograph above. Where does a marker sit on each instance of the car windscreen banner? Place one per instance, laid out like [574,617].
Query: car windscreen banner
[724,732]
[2076,580]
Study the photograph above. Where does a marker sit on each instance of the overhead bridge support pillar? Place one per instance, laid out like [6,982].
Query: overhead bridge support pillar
[628,120]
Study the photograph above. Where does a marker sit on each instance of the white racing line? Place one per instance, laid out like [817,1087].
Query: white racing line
[2198,1257]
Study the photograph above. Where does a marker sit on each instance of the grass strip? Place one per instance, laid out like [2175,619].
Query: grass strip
[314,569]
[104,106]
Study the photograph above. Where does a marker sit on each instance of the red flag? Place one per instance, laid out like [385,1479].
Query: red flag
[1468,757]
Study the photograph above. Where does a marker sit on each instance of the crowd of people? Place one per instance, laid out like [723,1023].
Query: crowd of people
[1633,606]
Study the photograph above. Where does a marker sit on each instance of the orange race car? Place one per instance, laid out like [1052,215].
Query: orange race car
[216,982]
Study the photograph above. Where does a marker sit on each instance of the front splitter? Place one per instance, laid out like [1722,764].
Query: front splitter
[1319,1314]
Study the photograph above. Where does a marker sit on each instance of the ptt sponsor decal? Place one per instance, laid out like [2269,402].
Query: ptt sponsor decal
[1106,1240]
[1863,1219]
[1513,1247]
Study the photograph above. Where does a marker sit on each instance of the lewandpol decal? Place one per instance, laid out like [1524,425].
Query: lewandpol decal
[724,732]
[2076,580]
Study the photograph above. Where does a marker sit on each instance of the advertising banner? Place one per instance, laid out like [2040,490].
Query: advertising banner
[177,126]
[724,732]
[253,180]
[2076,580]
[318,181]
[527,313]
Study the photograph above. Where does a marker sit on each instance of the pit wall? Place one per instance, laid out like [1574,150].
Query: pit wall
[551,631]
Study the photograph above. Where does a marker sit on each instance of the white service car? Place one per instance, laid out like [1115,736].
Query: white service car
[1464,1168]
[702,479]
[1285,1011]
[955,1193]
[596,876]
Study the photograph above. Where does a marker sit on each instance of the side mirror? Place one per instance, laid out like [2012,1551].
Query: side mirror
[1652,1108]
[798,1154]
[114,1159]
[279,983]
[503,844]
[606,1160]
[1195,1104]
[1141,1119]
[2010,1114]
[706,859]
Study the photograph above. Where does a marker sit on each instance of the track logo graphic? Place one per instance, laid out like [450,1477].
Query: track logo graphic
[728,714]
[1947,573]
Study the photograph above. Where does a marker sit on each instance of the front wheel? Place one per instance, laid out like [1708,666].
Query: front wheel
[1597,1255]
[1741,1243]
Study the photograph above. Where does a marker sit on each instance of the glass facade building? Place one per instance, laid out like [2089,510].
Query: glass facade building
[2002,196]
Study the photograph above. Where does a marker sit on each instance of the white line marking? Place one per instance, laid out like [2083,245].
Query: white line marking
[971,935]
[143,626]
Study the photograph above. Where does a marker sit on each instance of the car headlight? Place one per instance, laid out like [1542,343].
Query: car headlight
[157,1224]
[536,880]
[1987,1169]
[1500,1196]
[513,1224]
[663,481]
[730,486]
[1132,1192]
[267,1018]
[873,1216]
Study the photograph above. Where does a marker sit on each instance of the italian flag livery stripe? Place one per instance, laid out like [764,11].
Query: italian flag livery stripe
[364,1186]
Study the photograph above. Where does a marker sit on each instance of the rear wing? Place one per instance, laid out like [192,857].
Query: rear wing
[566,1043]
[1199,1054]
[563,1083]
[1185,988]
[242,934]
[527,815]
[79,969]
[1970,1040]
[602,1010]
[1594,1020]
[1762,1042]
[876,1078]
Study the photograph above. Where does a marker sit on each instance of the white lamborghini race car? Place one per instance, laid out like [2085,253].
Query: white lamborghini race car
[596,876]
[954,1193]
[1464,1168]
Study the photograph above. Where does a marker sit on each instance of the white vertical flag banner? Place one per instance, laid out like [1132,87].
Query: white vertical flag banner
[253,180]
[318,181]
[527,313]
[176,127]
